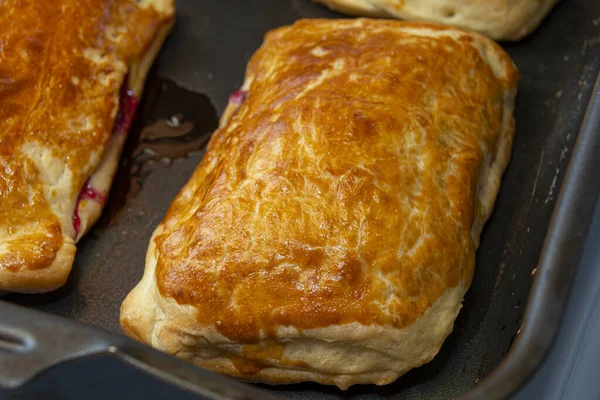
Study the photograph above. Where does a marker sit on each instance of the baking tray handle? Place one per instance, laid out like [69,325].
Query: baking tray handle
[31,342]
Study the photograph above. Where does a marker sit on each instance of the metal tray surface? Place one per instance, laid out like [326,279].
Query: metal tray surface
[204,61]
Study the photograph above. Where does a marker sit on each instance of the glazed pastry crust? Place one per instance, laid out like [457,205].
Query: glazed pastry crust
[62,66]
[498,19]
[329,233]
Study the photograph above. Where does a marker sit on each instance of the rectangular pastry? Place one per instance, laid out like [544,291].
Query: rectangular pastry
[498,19]
[71,74]
[329,233]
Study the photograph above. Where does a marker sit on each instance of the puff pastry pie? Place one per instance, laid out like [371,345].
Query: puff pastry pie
[71,73]
[329,233]
[499,19]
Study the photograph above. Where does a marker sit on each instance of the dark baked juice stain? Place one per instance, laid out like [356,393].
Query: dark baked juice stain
[171,122]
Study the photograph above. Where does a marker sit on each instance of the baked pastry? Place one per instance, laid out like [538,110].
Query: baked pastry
[71,73]
[329,233]
[498,19]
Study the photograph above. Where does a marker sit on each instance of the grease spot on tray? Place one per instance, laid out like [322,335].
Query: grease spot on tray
[171,123]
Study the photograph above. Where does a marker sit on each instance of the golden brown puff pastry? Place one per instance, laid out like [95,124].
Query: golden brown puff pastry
[329,233]
[498,19]
[70,76]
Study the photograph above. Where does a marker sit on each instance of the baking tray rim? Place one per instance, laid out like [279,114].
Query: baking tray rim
[558,261]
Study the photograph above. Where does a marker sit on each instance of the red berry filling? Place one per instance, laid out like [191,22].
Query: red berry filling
[128,104]
[91,193]
[238,97]
[88,192]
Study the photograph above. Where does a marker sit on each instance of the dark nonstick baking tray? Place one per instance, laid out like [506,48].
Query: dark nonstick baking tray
[201,64]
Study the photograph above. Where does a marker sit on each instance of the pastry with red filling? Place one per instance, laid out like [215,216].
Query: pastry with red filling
[71,75]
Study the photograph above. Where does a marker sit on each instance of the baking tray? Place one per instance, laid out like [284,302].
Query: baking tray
[201,64]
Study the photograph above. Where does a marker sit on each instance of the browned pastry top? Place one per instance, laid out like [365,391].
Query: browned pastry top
[61,67]
[344,188]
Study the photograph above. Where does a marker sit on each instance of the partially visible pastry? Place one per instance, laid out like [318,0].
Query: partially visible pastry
[498,19]
[71,75]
